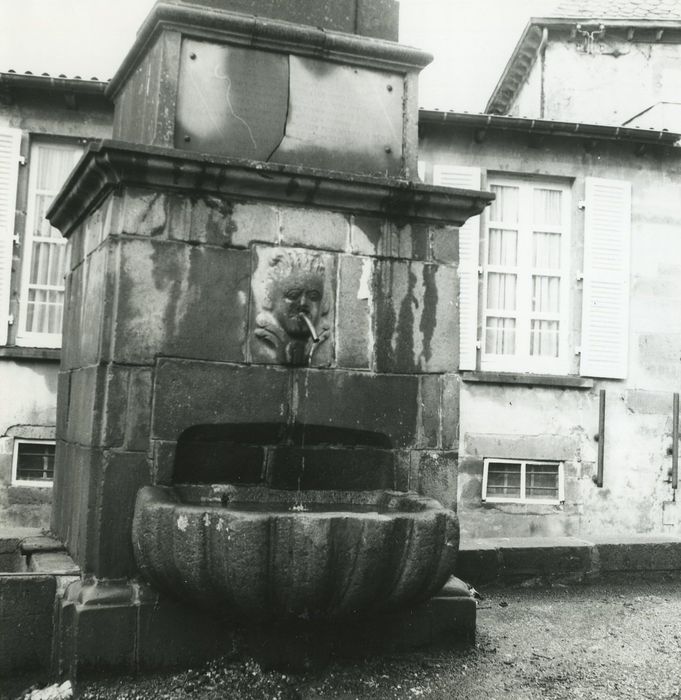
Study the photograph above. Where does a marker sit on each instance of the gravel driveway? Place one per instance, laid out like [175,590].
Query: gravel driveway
[604,640]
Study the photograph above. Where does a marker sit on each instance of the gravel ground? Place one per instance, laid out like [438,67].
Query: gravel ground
[598,641]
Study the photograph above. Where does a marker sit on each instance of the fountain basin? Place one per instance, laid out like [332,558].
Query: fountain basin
[267,554]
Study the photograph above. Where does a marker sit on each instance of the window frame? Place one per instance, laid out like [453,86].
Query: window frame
[521,360]
[33,483]
[523,482]
[24,337]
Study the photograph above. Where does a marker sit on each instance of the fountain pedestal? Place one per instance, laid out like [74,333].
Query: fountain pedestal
[260,296]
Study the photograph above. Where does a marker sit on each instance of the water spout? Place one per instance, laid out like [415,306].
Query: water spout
[310,326]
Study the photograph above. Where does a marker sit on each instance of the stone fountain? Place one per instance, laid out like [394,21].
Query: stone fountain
[258,392]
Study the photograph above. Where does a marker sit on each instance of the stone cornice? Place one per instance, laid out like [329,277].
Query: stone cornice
[110,165]
[214,24]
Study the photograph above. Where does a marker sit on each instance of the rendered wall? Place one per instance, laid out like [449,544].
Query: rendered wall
[612,84]
[557,423]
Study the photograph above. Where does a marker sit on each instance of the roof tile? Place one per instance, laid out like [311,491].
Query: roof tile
[619,9]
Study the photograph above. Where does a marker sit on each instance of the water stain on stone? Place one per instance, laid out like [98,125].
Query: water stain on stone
[428,320]
[404,344]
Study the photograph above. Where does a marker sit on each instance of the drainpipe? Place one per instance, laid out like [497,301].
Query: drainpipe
[542,58]
[675,443]
[600,437]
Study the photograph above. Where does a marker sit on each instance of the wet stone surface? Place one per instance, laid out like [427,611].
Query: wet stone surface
[601,641]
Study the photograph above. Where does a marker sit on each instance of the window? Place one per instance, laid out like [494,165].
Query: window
[33,463]
[44,248]
[525,277]
[517,298]
[514,481]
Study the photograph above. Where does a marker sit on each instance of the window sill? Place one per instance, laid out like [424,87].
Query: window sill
[521,379]
[17,352]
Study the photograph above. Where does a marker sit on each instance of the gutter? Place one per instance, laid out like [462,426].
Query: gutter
[549,127]
[44,82]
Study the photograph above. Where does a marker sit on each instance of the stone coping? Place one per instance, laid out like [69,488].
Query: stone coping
[109,165]
[215,24]
[514,559]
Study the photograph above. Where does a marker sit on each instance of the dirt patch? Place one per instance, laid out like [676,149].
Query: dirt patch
[601,641]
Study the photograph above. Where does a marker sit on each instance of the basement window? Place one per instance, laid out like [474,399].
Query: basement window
[522,481]
[33,463]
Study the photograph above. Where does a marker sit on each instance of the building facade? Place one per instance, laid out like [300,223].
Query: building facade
[45,125]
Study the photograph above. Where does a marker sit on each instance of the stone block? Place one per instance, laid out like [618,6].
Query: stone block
[171,635]
[53,563]
[437,476]
[115,399]
[75,248]
[138,409]
[383,404]
[523,558]
[164,461]
[356,469]
[124,473]
[478,562]
[200,220]
[546,446]
[178,300]
[354,342]
[429,410]
[451,396]
[324,230]
[365,235]
[93,228]
[141,212]
[445,244]
[416,317]
[85,410]
[638,553]
[254,223]
[384,239]
[197,393]
[63,397]
[26,604]
[103,639]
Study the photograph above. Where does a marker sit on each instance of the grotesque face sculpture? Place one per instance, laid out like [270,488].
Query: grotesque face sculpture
[300,293]
[293,307]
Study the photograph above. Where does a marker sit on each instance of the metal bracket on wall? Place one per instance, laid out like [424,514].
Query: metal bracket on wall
[600,438]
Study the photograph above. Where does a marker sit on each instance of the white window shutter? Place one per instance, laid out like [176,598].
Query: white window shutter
[469,245]
[605,312]
[10,142]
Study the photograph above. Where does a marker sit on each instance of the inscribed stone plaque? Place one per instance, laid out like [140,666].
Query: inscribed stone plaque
[231,100]
[343,118]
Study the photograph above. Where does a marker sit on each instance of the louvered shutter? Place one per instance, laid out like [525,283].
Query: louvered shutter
[605,313]
[469,243]
[10,142]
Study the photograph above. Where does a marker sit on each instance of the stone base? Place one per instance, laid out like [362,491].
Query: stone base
[448,618]
[104,628]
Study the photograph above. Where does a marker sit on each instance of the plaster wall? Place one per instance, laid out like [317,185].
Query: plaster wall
[557,423]
[610,85]
[28,411]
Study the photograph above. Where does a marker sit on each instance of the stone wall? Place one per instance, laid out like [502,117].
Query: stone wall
[158,341]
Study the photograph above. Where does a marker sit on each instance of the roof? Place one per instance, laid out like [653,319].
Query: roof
[624,14]
[619,9]
[551,127]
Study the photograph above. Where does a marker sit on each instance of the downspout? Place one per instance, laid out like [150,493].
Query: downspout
[542,58]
